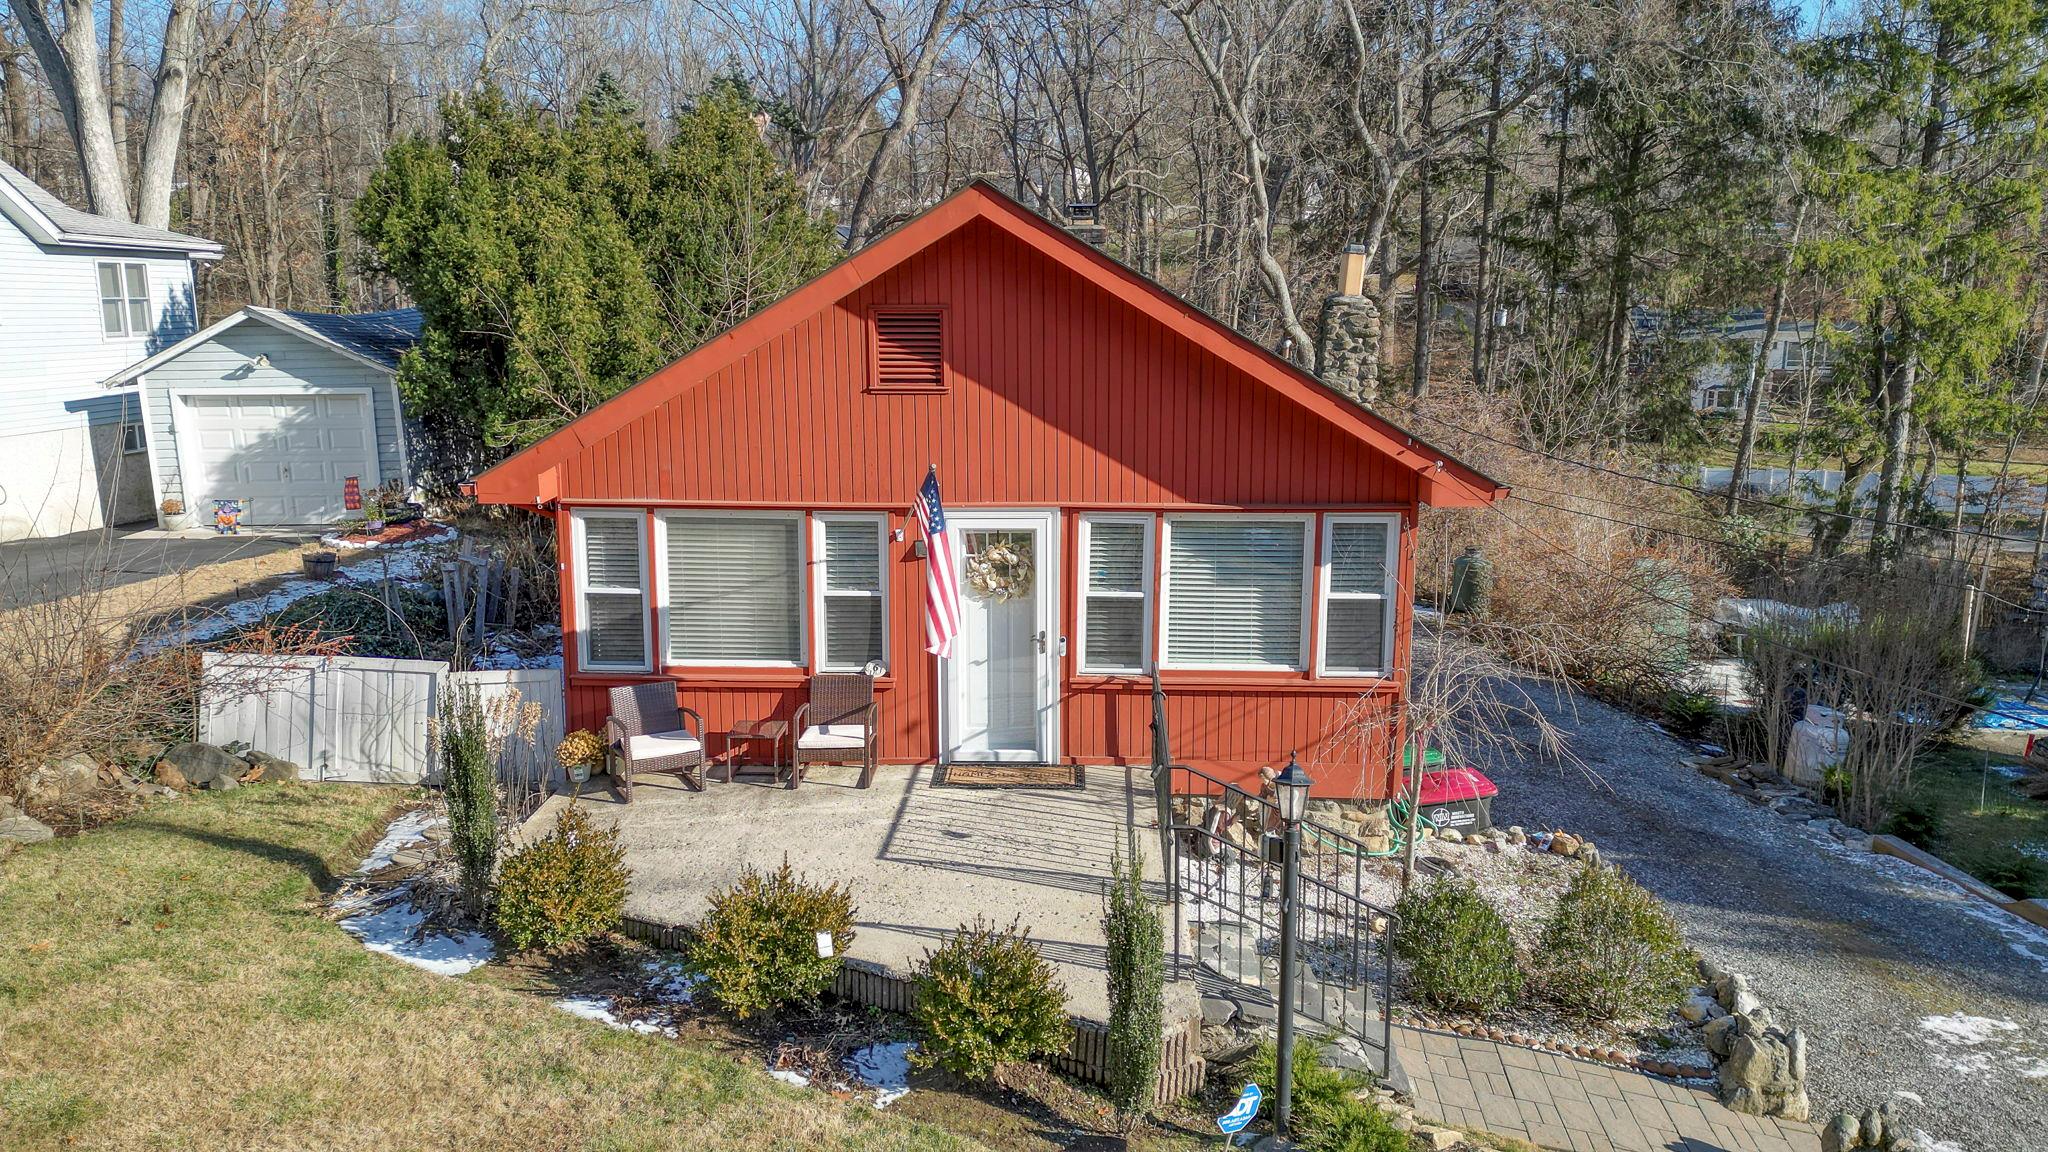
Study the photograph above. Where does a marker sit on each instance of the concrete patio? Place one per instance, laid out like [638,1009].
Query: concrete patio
[920,860]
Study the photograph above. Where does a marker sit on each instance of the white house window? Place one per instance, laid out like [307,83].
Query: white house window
[852,591]
[612,590]
[733,588]
[131,438]
[1236,592]
[1358,594]
[1116,568]
[124,299]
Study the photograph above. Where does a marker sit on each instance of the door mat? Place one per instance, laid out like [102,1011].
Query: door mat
[1009,776]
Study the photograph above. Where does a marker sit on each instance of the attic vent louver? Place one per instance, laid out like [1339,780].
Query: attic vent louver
[909,349]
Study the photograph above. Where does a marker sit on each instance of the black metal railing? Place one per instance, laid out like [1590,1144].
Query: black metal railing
[1222,851]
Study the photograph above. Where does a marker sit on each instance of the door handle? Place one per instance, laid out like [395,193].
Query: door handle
[1039,640]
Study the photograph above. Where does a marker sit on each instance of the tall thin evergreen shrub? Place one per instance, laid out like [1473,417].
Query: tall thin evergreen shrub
[469,786]
[1137,981]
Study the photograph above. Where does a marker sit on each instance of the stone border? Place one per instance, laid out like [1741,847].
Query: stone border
[1181,1067]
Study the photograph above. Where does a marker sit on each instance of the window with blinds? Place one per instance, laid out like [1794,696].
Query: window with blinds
[1234,592]
[850,587]
[1358,601]
[734,592]
[1116,562]
[612,590]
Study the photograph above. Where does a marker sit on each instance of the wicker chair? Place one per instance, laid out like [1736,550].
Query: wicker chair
[839,723]
[646,733]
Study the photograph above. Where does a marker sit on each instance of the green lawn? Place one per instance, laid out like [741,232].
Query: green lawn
[1981,819]
[167,982]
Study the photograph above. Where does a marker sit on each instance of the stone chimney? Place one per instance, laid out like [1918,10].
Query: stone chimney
[1348,347]
[1084,219]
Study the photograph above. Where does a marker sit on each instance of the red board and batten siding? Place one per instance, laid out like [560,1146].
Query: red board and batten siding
[1064,390]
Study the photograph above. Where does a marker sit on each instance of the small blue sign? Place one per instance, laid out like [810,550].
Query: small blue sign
[1233,1121]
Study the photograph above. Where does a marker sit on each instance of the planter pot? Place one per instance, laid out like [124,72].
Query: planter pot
[372,527]
[319,565]
[175,521]
[580,774]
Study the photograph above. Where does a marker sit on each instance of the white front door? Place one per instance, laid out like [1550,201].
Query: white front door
[286,457]
[1001,686]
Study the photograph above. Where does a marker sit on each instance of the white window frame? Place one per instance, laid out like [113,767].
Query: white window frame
[1144,596]
[1386,595]
[578,519]
[133,430]
[803,622]
[880,523]
[128,300]
[1308,587]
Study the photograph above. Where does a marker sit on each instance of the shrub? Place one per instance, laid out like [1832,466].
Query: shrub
[987,998]
[1916,822]
[1459,953]
[566,887]
[757,949]
[1689,714]
[412,625]
[1328,1115]
[581,748]
[463,743]
[1136,948]
[1610,950]
[2009,870]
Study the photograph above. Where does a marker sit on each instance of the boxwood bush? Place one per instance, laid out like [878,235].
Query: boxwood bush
[564,888]
[1460,956]
[986,998]
[757,949]
[1610,951]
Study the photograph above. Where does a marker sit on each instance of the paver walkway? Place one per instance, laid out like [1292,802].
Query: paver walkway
[1574,1105]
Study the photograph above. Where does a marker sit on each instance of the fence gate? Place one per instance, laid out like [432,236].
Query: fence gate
[1223,872]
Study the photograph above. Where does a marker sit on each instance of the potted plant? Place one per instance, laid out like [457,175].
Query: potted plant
[581,753]
[320,565]
[173,515]
[373,512]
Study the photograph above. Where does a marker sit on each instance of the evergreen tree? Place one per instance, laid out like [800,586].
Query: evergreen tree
[557,262]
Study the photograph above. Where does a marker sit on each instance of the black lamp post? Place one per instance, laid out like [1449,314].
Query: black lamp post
[1291,792]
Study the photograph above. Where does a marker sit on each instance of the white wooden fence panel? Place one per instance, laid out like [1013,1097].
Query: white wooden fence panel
[364,718]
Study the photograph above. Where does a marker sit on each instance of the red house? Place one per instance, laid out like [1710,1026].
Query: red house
[1154,490]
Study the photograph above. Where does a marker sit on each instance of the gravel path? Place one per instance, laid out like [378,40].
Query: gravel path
[1907,990]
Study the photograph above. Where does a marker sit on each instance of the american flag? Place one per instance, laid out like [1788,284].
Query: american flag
[941,571]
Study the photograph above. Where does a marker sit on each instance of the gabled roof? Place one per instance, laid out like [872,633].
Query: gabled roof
[372,339]
[48,220]
[1445,482]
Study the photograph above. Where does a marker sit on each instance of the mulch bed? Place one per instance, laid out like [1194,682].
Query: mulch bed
[395,533]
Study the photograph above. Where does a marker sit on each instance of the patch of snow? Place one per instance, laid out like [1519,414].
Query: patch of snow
[599,1010]
[671,983]
[788,1077]
[2033,1069]
[1926,1143]
[1964,1029]
[2025,939]
[885,1068]
[392,925]
[1909,1097]
[388,922]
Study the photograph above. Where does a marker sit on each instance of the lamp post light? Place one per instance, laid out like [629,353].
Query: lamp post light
[1291,792]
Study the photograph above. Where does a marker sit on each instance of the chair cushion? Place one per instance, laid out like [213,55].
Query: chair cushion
[657,744]
[819,736]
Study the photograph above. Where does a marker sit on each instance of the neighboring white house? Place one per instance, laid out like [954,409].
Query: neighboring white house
[80,297]
[1795,348]
[277,410]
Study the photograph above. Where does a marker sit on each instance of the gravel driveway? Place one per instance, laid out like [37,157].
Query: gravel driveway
[1907,990]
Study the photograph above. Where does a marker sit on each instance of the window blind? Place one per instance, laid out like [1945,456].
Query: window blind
[614,603]
[733,590]
[1234,593]
[1115,635]
[853,594]
[1355,617]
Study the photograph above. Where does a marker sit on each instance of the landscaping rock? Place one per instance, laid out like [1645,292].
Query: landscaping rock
[168,776]
[1441,1139]
[1761,1075]
[1842,1134]
[1516,835]
[1718,1034]
[60,783]
[1700,1008]
[267,769]
[1217,1010]
[201,764]
[1874,1128]
[1564,844]
[1451,836]
[21,828]
[1589,854]
[226,781]
[1728,989]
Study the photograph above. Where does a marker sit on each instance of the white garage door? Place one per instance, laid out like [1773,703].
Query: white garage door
[286,457]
